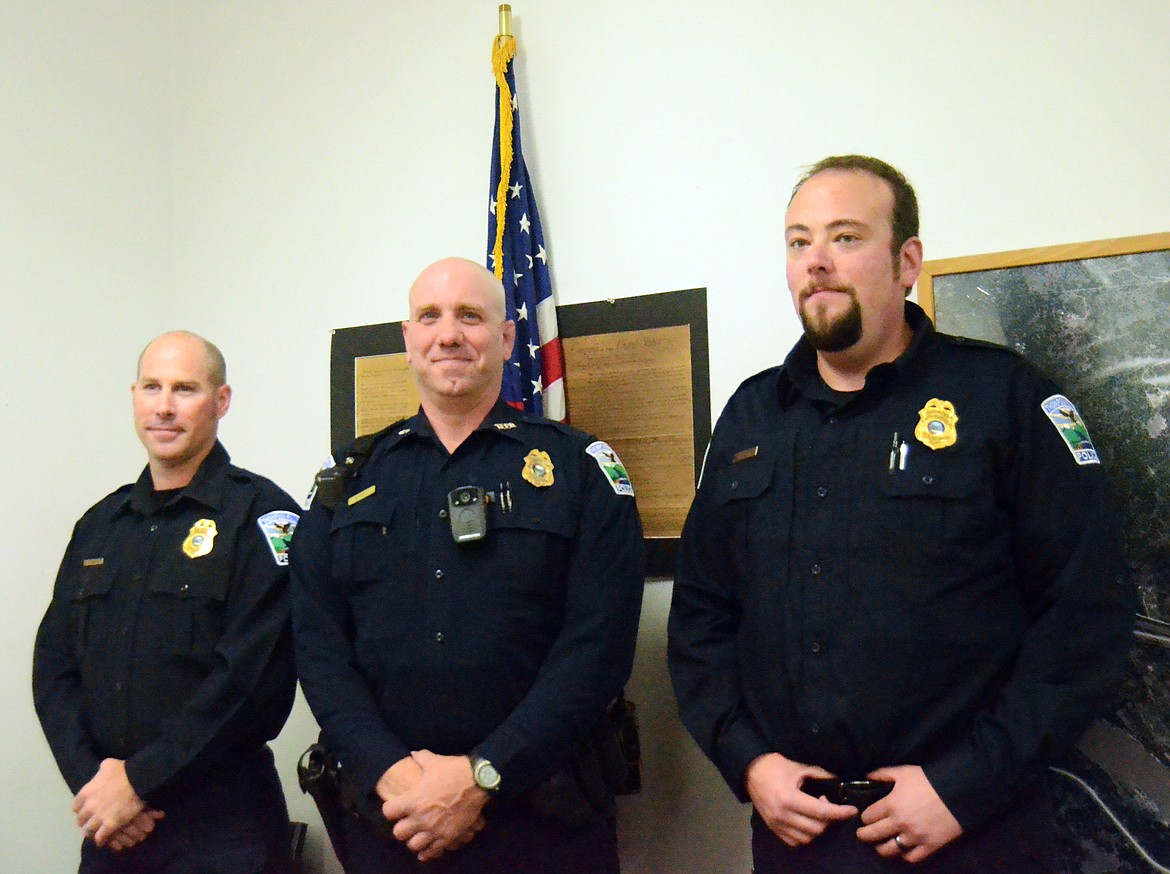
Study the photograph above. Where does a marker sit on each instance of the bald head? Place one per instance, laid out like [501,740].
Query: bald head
[216,366]
[451,273]
[457,339]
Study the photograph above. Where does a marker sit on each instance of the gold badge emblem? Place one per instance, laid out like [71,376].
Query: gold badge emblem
[200,538]
[538,468]
[936,424]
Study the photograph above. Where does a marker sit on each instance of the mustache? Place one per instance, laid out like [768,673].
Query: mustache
[811,289]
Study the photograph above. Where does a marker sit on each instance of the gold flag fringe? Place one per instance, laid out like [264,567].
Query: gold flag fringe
[503,51]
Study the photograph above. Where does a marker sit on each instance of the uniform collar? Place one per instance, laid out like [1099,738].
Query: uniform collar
[206,486]
[501,419]
[799,375]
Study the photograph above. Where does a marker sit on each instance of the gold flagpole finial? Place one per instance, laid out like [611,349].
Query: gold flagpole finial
[505,19]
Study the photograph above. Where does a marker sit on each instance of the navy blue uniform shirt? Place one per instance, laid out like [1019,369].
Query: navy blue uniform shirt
[509,647]
[850,597]
[179,663]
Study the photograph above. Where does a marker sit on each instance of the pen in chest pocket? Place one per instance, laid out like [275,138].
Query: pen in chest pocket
[899,453]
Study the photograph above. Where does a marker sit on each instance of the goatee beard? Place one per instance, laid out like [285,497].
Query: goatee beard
[836,335]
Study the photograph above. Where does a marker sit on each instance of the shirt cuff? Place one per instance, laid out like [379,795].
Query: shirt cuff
[967,787]
[737,747]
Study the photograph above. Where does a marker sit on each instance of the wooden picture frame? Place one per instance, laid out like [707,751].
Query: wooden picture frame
[943,268]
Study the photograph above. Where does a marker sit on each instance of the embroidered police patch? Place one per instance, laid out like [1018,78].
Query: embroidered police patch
[1064,416]
[612,467]
[277,528]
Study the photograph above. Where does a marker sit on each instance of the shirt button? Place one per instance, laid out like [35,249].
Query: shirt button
[439,574]
[816,570]
[928,479]
[153,528]
[832,420]
[184,589]
[439,637]
[822,491]
[735,484]
[443,514]
[118,686]
[816,647]
[814,729]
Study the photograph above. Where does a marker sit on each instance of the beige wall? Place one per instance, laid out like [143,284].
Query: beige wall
[263,171]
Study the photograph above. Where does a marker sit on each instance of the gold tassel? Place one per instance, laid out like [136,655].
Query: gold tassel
[503,51]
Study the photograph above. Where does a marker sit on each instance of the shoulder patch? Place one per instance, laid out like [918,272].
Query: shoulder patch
[277,528]
[612,467]
[1068,423]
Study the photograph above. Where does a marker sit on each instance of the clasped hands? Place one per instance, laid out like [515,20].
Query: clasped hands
[912,813]
[110,812]
[433,802]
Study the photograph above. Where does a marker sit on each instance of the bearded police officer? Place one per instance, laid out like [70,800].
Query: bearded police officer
[465,610]
[899,592]
[164,663]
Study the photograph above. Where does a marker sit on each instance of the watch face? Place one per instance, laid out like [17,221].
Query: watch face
[486,775]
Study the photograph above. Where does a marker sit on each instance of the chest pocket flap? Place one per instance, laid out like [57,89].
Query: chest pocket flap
[542,510]
[92,581]
[201,578]
[947,474]
[747,478]
[377,509]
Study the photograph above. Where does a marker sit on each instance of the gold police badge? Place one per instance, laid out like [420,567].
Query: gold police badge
[538,468]
[936,424]
[200,538]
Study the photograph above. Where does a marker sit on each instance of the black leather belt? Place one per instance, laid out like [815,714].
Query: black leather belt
[859,793]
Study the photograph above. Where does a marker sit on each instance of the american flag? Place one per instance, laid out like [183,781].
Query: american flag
[534,377]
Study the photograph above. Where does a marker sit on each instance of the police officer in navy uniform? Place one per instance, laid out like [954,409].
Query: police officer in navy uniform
[465,611]
[899,593]
[164,663]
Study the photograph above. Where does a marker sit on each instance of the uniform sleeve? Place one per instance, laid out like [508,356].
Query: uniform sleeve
[336,690]
[593,654]
[247,697]
[1071,576]
[703,626]
[56,684]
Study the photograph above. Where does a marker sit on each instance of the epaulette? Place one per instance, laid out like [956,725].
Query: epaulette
[981,346]
[532,419]
[977,343]
[769,373]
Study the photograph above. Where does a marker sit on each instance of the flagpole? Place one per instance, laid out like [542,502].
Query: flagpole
[505,20]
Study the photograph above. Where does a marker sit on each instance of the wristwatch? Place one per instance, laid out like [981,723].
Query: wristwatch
[485,774]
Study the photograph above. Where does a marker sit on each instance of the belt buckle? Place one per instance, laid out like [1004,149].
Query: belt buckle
[862,793]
